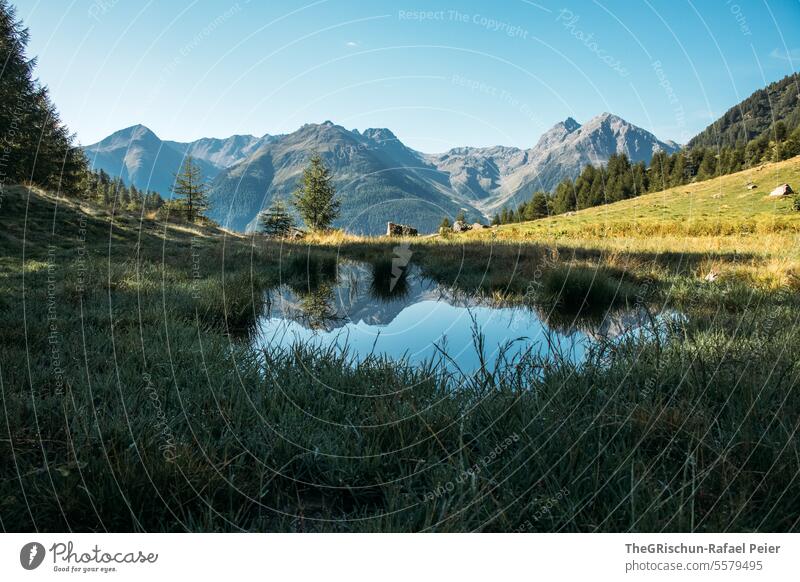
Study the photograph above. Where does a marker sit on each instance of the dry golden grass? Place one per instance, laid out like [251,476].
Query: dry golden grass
[749,234]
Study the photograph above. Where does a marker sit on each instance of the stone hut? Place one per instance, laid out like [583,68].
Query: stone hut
[393,229]
[461,226]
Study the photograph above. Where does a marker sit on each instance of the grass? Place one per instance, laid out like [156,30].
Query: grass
[739,229]
[581,289]
[130,404]
[721,206]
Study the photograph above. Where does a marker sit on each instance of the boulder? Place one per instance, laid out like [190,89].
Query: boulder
[782,190]
[393,229]
[751,186]
[296,234]
[461,226]
[478,225]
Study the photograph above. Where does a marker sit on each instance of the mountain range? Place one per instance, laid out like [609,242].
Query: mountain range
[377,177]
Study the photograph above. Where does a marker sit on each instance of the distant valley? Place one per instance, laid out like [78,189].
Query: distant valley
[377,177]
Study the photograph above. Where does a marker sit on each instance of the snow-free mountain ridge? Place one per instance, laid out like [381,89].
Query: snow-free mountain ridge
[377,176]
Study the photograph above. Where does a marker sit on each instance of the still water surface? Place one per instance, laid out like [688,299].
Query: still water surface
[406,316]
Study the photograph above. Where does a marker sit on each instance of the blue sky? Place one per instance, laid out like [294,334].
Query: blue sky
[439,74]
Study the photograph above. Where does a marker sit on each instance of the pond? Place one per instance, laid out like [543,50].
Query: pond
[387,311]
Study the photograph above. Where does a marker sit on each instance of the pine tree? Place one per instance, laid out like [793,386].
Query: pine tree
[315,197]
[678,175]
[755,150]
[445,223]
[275,221]
[708,165]
[792,146]
[37,147]
[639,173]
[461,216]
[191,189]
[153,201]
[537,208]
[659,171]
[779,131]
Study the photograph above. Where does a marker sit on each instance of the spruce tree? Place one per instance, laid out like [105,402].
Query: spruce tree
[564,199]
[191,189]
[37,146]
[275,221]
[315,197]
[537,207]
[708,165]
[678,175]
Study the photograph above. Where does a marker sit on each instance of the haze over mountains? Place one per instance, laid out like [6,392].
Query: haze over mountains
[377,177]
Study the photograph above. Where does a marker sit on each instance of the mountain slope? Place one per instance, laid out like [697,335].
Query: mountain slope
[220,153]
[139,157]
[779,101]
[377,179]
[497,176]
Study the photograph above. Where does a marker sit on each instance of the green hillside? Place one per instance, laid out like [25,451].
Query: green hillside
[722,206]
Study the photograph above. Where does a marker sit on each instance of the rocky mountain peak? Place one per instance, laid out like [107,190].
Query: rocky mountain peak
[381,135]
[129,135]
[570,124]
[557,133]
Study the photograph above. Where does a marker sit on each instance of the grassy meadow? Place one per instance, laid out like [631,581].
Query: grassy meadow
[132,400]
[720,218]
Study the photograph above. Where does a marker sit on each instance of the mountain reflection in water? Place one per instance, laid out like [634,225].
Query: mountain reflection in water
[385,310]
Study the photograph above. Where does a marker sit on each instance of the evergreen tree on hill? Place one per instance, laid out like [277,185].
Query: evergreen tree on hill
[276,221]
[191,190]
[37,147]
[315,197]
[537,208]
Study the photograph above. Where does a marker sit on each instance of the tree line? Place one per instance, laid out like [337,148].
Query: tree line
[36,146]
[620,179]
[106,191]
[754,116]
